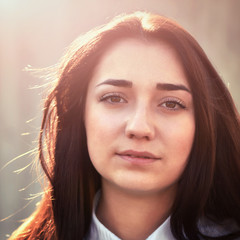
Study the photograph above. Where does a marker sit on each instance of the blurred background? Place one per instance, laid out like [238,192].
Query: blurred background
[37,32]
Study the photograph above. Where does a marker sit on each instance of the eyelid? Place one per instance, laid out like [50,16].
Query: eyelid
[179,102]
[106,96]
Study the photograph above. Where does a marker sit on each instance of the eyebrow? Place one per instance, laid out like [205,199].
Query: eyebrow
[159,86]
[116,82]
[171,87]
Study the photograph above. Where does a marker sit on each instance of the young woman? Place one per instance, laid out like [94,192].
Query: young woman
[142,140]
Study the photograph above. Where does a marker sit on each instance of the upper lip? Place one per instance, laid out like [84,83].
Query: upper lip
[141,154]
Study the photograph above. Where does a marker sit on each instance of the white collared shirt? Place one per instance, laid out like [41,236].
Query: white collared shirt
[99,232]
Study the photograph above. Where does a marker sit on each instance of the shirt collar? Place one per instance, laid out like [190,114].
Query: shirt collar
[100,232]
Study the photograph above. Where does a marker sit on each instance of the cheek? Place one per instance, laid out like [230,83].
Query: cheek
[178,145]
[179,136]
[95,137]
[102,130]
[100,126]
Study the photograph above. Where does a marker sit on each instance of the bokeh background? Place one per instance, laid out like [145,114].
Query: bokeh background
[36,33]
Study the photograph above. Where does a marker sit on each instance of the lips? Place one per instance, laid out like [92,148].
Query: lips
[138,157]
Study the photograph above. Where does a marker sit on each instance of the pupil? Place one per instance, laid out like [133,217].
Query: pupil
[170,104]
[115,99]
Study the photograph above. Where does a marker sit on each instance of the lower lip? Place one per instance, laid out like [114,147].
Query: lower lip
[136,160]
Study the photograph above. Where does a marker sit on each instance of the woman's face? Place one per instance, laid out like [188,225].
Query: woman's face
[139,117]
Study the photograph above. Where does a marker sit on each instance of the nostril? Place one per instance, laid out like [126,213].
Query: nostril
[136,128]
[131,135]
[138,136]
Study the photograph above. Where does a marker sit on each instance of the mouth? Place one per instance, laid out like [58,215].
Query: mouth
[138,157]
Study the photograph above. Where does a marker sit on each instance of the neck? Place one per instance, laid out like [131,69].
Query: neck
[122,212]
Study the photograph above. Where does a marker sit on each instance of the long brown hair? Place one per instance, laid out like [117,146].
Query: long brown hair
[209,186]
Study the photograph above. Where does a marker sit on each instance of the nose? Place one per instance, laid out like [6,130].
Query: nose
[139,125]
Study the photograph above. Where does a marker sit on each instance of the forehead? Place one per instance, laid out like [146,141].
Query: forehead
[141,60]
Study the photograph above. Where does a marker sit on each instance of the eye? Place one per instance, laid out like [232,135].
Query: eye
[173,104]
[113,98]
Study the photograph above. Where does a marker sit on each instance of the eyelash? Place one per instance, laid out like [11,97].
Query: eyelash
[178,103]
[107,98]
[175,101]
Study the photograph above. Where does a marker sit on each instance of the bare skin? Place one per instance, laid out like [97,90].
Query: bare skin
[137,108]
[122,212]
